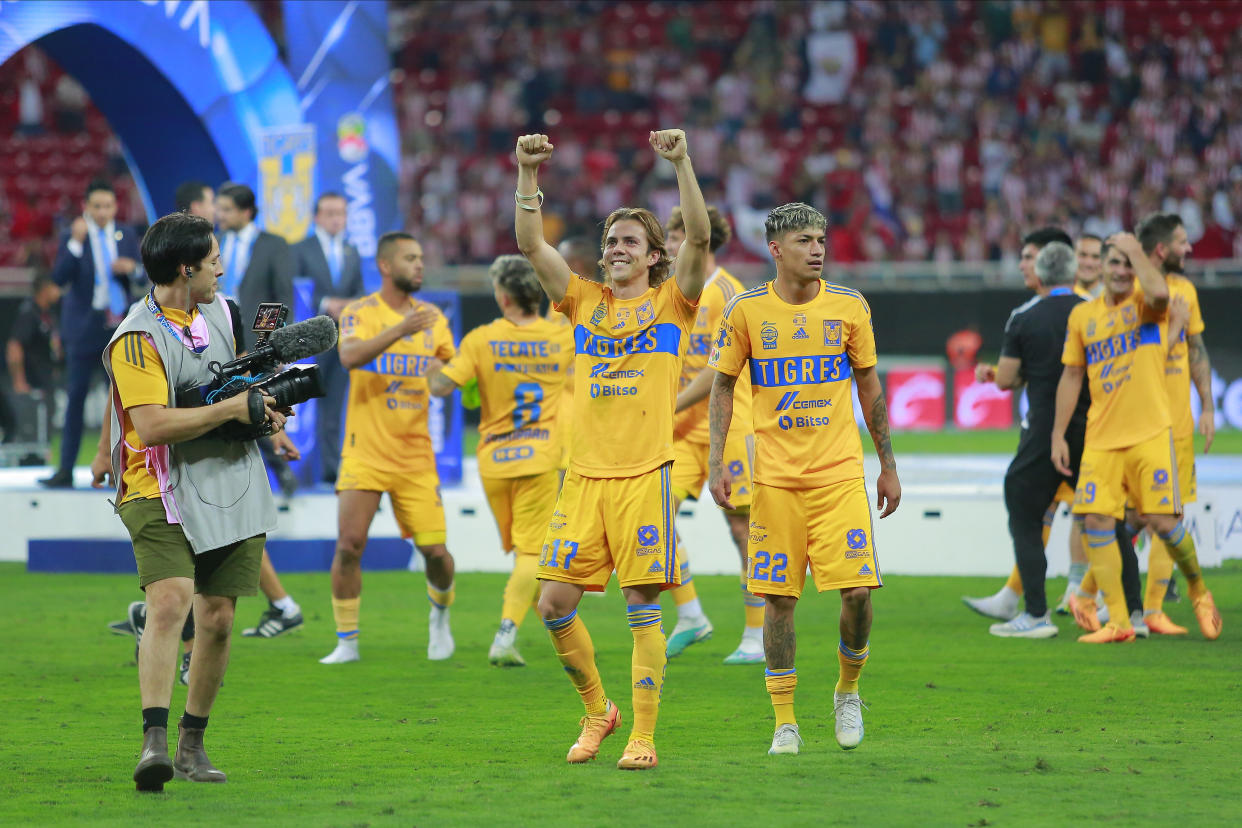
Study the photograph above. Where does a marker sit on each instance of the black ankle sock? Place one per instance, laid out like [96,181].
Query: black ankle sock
[191,722]
[154,717]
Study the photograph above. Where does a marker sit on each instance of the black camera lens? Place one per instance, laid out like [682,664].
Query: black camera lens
[294,385]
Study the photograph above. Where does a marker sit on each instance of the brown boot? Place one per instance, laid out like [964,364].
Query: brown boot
[191,761]
[154,766]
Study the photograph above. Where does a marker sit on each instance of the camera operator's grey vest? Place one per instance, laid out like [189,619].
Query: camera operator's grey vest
[217,490]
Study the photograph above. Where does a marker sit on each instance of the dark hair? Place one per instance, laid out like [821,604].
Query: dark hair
[1091,237]
[383,249]
[98,185]
[322,196]
[176,240]
[242,196]
[790,217]
[721,231]
[189,192]
[40,282]
[1157,229]
[1046,235]
[516,277]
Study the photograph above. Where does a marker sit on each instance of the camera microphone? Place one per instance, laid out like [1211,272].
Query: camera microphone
[303,339]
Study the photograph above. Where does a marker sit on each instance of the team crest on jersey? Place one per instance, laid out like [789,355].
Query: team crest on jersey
[429,341]
[1127,314]
[702,318]
[800,334]
[645,313]
[1090,328]
[832,331]
[597,316]
[768,333]
[799,318]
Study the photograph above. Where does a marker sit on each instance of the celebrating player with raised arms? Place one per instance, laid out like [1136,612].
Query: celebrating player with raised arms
[615,509]
[803,340]
[520,362]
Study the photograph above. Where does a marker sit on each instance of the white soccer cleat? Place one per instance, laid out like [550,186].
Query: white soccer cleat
[439,636]
[748,652]
[503,652]
[1139,623]
[848,710]
[1101,610]
[1025,626]
[785,741]
[346,651]
[1000,606]
[688,631]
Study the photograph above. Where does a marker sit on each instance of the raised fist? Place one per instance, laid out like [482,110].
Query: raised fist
[78,229]
[533,150]
[669,143]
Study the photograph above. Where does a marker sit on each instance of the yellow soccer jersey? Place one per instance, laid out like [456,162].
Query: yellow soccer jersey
[691,424]
[1122,347]
[521,373]
[626,365]
[802,359]
[1177,364]
[386,421]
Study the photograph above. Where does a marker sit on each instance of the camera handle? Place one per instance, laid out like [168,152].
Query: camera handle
[258,411]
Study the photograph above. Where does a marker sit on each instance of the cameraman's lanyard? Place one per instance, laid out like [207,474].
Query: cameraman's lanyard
[185,337]
[157,457]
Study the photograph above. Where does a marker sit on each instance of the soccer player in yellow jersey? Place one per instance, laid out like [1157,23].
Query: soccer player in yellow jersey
[690,447]
[1118,342]
[388,342]
[1166,244]
[519,362]
[582,258]
[1090,252]
[615,509]
[804,341]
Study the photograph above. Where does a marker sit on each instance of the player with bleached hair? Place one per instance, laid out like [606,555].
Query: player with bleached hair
[804,341]
[615,509]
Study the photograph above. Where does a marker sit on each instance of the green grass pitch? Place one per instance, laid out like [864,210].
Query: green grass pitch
[963,729]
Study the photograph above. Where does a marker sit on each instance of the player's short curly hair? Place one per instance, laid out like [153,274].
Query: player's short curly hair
[516,277]
[1056,264]
[721,231]
[655,240]
[793,216]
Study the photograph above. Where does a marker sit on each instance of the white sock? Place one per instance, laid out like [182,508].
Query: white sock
[288,606]
[691,610]
[1008,595]
[753,635]
[347,644]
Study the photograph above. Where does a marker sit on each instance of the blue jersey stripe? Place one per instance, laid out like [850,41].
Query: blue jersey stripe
[661,338]
[810,370]
[1114,346]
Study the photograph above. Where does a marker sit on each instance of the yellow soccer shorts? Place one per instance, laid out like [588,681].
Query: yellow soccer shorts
[1146,474]
[621,523]
[415,496]
[1184,453]
[1064,493]
[826,528]
[522,507]
[690,468]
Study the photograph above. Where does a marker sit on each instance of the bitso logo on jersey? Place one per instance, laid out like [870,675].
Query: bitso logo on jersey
[768,333]
[832,331]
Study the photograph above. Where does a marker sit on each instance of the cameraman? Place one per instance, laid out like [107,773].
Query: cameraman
[197,507]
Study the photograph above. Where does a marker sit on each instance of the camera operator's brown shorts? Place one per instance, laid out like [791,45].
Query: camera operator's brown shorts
[162,551]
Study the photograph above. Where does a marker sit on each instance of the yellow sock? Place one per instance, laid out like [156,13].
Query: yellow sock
[1015,580]
[687,592]
[345,611]
[754,607]
[1105,558]
[1181,548]
[577,653]
[1088,585]
[781,684]
[440,597]
[1159,571]
[852,662]
[646,668]
[521,589]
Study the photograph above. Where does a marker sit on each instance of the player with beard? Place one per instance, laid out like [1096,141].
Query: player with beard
[388,341]
[1119,342]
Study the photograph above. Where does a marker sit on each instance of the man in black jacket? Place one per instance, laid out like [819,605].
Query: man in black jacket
[333,265]
[258,266]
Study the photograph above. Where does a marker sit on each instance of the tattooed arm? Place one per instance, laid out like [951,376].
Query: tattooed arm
[875,412]
[720,414]
[1201,373]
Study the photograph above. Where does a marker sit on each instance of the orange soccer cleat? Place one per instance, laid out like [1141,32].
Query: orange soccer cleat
[1209,619]
[639,755]
[1108,634]
[594,730]
[1162,624]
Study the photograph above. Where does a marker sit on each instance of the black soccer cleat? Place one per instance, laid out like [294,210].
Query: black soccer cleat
[273,622]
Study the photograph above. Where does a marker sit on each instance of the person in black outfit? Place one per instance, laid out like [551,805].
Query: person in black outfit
[31,352]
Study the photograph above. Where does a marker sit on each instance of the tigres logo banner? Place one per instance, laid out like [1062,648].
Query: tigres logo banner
[287,180]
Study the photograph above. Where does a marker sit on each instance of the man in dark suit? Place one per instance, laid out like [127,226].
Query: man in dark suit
[334,267]
[258,266]
[96,265]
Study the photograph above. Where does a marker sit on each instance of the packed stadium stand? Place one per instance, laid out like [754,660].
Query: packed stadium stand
[933,131]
